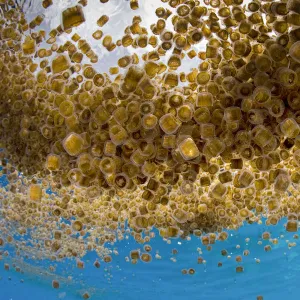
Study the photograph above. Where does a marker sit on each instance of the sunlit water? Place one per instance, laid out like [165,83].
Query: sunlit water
[274,274]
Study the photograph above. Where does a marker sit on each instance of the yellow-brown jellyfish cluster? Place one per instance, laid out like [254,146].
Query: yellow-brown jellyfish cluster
[191,152]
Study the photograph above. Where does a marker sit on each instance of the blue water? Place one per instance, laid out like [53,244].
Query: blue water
[274,278]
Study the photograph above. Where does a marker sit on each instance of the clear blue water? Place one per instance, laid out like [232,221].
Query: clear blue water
[275,277]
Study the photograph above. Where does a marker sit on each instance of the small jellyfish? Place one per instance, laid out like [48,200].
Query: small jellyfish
[73,144]
[77,226]
[86,295]
[191,271]
[147,248]
[239,269]
[189,149]
[97,264]
[72,17]
[184,271]
[146,257]
[107,258]
[35,192]
[80,264]
[55,284]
